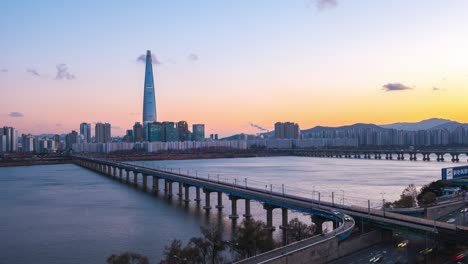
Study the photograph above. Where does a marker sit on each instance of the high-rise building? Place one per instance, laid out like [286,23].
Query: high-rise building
[103,133]
[149,98]
[85,131]
[11,139]
[128,136]
[155,132]
[27,143]
[198,131]
[182,129]
[287,130]
[137,132]
[2,142]
[170,132]
[70,139]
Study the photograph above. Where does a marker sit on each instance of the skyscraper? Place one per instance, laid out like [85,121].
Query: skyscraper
[198,132]
[137,132]
[85,130]
[103,133]
[149,100]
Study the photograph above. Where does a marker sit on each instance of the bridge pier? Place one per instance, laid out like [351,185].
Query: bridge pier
[114,172]
[247,209]
[233,214]
[180,193]
[207,199]
[197,195]
[135,177]
[155,184]
[187,193]
[318,221]
[128,175]
[455,157]
[120,173]
[169,188]
[220,201]
[284,225]
[145,181]
[440,157]
[109,170]
[269,218]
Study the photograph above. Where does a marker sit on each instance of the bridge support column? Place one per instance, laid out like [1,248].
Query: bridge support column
[145,181]
[455,157]
[135,178]
[284,225]
[180,193]
[114,172]
[155,184]
[220,201]
[318,221]
[234,214]
[269,221]
[197,195]
[187,193]
[247,209]
[120,173]
[169,188]
[109,170]
[207,199]
[128,176]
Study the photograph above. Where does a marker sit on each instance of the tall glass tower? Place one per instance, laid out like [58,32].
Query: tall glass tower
[149,100]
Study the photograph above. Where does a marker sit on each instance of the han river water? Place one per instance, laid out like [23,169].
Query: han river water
[67,214]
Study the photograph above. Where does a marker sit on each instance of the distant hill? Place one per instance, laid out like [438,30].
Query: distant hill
[433,123]
[238,136]
[340,128]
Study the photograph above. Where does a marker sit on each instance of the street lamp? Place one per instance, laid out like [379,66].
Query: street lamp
[383,203]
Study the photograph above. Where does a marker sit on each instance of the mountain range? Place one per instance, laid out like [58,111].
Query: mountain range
[428,124]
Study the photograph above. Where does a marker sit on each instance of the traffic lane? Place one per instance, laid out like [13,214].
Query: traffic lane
[388,250]
[460,216]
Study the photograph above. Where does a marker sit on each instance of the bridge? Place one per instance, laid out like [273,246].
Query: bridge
[381,154]
[271,200]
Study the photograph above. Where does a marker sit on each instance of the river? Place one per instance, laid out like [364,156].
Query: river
[67,214]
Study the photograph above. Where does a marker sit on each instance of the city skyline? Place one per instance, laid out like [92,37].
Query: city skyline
[329,65]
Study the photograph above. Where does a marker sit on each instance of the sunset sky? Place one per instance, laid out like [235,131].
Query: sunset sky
[228,64]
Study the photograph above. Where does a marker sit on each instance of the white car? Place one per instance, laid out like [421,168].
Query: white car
[451,220]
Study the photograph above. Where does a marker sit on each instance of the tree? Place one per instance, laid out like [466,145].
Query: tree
[298,231]
[214,240]
[251,237]
[428,198]
[127,258]
[435,187]
[407,197]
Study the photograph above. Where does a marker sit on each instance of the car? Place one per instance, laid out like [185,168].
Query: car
[336,212]
[464,210]
[451,220]
[375,259]
[347,218]
[403,243]
[425,251]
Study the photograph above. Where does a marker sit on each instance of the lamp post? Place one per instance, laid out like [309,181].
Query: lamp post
[383,203]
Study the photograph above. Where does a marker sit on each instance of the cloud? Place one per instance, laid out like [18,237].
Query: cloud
[58,125]
[192,57]
[33,72]
[63,73]
[325,4]
[4,70]
[15,114]
[389,87]
[134,113]
[116,127]
[259,127]
[154,59]
[435,89]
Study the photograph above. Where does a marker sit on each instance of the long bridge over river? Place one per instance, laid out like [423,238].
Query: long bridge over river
[319,210]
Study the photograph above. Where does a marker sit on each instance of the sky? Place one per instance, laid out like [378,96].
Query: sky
[232,64]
